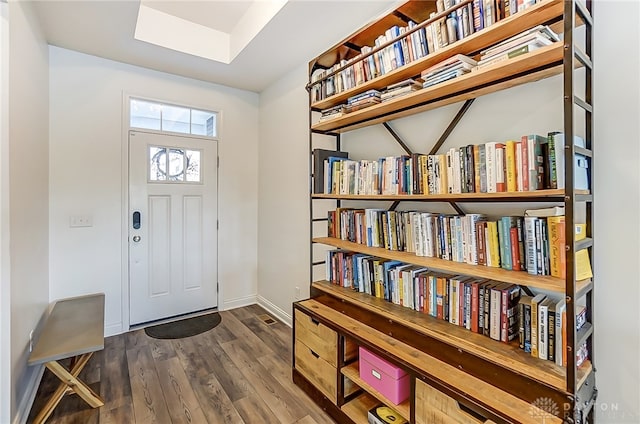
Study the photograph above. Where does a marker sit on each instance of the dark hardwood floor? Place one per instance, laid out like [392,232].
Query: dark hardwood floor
[239,372]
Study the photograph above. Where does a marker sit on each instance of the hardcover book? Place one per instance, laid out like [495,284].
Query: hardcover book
[319,156]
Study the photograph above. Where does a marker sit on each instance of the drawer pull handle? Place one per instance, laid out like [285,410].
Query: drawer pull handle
[315,321]
[314,354]
[376,374]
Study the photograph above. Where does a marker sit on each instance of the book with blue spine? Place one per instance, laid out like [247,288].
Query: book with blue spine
[386,278]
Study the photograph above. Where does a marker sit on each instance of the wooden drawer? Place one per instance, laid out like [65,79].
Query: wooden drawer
[434,407]
[318,337]
[319,372]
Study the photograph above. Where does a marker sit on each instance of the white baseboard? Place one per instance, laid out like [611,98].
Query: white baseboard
[238,302]
[24,407]
[113,329]
[275,310]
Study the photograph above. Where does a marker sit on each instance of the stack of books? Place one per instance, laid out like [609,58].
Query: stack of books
[401,88]
[451,68]
[363,100]
[333,112]
[522,43]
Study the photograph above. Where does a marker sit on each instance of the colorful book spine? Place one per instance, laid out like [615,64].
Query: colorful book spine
[510,165]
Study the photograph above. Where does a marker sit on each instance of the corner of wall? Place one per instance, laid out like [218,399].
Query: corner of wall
[29,395]
[275,310]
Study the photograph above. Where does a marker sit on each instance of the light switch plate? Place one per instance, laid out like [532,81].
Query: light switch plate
[80,221]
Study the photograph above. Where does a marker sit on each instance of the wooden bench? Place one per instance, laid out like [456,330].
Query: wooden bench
[74,329]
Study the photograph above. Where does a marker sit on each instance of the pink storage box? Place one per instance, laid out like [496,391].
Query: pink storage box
[386,378]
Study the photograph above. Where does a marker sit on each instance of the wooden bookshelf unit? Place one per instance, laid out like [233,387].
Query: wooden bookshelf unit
[455,375]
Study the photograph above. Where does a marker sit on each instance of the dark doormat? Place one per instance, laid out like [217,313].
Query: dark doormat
[185,327]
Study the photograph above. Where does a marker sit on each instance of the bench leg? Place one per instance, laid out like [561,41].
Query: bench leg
[70,383]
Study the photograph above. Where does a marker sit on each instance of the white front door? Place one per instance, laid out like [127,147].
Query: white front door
[172,225]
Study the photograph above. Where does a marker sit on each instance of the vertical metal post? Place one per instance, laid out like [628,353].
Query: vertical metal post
[311,177]
[568,98]
[589,145]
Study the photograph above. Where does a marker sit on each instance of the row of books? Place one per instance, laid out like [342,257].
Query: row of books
[535,244]
[354,103]
[532,163]
[525,42]
[372,97]
[542,328]
[456,26]
[494,309]
[452,298]
[448,69]
[401,88]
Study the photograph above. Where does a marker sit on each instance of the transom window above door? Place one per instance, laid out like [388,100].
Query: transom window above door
[164,117]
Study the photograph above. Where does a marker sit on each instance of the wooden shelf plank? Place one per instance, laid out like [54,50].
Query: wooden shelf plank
[520,196]
[352,372]
[583,372]
[544,282]
[503,354]
[357,409]
[475,390]
[547,60]
[539,14]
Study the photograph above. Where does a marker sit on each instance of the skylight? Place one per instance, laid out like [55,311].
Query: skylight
[177,33]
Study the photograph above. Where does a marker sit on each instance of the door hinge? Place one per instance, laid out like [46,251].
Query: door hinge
[217,287]
[218,161]
[217,224]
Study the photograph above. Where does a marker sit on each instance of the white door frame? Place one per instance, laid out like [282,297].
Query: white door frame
[124,227]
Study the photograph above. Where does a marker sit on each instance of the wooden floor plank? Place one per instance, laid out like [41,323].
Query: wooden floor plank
[161,349]
[306,420]
[252,409]
[266,334]
[238,328]
[278,399]
[227,375]
[115,387]
[226,372]
[135,338]
[149,404]
[281,371]
[214,401]
[246,312]
[221,333]
[192,361]
[119,414]
[181,400]
[92,371]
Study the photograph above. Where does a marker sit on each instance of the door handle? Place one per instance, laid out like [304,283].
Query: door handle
[136,220]
[136,238]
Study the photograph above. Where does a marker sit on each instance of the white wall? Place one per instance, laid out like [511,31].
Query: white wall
[5,275]
[283,190]
[86,177]
[534,108]
[28,169]
[617,210]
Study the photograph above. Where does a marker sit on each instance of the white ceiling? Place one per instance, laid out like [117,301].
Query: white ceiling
[300,31]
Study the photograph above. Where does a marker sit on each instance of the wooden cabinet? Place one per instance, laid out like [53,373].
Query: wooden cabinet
[320,339]
[457,376]
[434,407]
[318,353]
